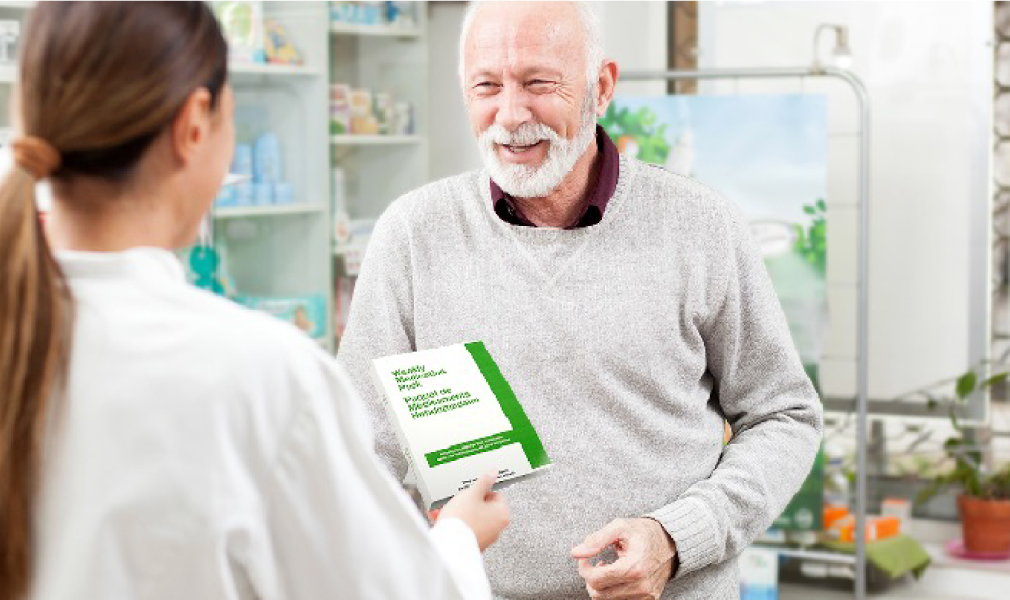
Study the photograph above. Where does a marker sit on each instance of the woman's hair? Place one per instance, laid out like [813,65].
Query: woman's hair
[97,83]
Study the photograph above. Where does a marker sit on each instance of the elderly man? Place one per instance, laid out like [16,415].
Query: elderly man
[625,305]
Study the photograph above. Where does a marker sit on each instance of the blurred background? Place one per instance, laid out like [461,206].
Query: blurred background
[867,142]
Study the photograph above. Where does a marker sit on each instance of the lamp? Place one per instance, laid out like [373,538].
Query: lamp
[841,55]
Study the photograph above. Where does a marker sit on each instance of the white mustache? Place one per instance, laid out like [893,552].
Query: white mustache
[526,134]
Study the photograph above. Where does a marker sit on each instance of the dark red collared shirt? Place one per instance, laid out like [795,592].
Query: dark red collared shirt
[600,193]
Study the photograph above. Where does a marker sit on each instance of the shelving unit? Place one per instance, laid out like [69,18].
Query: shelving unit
[374,140]
[378,168]
[281,251]
[9,70]
[374,30]
[273,70]
[240,212]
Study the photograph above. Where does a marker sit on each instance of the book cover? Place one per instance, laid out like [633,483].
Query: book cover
[456,418]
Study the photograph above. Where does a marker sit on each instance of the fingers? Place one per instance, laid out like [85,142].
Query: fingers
[627,591]
[622,571]
[433,514]
[596,542]
[484,483]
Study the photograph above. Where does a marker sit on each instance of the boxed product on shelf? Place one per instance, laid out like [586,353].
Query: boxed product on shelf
[404,119]
[383,111]
[392,15]
[307,313]
[262,162]
[363,118]
[357,13]
[759,574]
[242,24]
[10,31]
[877,528]
[340,108]
[280,47]
[361,111]
[267,159]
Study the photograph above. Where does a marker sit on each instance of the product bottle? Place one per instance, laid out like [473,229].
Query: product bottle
[836,482]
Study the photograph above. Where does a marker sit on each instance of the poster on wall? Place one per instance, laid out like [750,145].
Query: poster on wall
[767,154]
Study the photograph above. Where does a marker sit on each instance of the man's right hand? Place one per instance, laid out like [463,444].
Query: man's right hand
[482,509]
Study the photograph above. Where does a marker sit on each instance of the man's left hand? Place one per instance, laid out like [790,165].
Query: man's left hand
[644,560]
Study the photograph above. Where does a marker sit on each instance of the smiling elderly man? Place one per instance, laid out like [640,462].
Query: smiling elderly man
[626,306]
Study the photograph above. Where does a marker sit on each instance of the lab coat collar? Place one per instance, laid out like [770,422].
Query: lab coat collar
[145,262]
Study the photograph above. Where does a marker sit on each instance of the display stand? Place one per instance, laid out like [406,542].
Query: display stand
[862,306]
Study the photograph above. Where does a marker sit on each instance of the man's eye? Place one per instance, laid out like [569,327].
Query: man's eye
[485,85]
[540,83]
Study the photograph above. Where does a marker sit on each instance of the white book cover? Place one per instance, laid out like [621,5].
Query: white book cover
[456,418]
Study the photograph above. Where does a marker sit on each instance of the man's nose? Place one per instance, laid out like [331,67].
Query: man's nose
[513,109]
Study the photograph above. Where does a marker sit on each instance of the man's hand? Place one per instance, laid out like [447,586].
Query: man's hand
[644,560]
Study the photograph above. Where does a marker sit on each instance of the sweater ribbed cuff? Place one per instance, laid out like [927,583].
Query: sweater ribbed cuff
[692,527]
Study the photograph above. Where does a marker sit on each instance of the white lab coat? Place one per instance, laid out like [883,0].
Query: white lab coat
[202,451]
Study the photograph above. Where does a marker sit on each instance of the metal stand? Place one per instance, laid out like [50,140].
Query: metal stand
[862,316]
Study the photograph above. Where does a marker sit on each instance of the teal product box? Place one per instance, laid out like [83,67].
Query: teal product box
[307,313]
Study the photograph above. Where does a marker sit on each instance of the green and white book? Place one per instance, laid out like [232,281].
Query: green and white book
[456,418]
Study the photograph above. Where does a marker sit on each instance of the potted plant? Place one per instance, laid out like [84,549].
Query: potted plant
[984,501]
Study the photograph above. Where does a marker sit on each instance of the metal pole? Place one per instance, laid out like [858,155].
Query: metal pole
[862,316]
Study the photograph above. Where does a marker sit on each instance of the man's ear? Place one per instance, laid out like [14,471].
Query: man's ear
[191,125]
[606,85]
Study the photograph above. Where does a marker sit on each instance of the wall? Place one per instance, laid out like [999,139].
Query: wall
[928,69]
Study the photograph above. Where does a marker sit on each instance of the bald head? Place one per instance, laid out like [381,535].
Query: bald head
[572,27]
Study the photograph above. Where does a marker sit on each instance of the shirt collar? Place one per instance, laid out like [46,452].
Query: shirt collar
[600,194]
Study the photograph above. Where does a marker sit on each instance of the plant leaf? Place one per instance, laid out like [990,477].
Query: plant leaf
[997,378]
[966,384]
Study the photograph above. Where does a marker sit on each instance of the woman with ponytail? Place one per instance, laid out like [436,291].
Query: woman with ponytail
[157,441]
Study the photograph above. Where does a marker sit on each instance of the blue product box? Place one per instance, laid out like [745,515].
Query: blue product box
[225,197]
[283,193]
[267,159]
[243,193]
[242,162]
[262,194]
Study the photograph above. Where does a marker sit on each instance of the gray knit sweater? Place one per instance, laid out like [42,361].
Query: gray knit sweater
[627,343]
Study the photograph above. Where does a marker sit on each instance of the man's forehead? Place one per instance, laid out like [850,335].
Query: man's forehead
[515,35]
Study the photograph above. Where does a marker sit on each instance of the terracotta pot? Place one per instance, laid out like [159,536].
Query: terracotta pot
[986,524]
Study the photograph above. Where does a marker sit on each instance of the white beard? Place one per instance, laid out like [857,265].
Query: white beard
[526,181]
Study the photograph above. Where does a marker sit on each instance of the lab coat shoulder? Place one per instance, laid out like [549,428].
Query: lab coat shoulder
[332,510]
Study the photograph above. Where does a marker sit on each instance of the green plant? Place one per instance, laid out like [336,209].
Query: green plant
[969,472]
[812,242]
[641,127]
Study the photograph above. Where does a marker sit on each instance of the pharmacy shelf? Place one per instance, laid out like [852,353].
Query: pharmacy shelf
[8,72]
[273,70]
[373,140]
[237,212]
[818,555]
[374,30]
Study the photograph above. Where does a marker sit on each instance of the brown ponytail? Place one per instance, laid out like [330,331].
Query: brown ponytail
[98,81]
[33,344]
